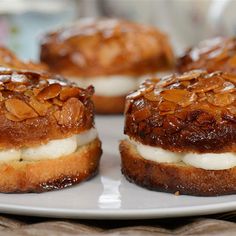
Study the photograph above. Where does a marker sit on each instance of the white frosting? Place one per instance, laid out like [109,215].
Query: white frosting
[207,161]
[52,150]
[158,154]
[10,155]
[86,137]
[211,161]
[113,85]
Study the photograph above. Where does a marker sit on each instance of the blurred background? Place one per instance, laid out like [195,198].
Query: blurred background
[185,21]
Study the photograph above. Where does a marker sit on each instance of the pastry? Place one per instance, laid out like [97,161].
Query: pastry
[181,133]
[212,55]
[48,139]
[9,59]
[113,55]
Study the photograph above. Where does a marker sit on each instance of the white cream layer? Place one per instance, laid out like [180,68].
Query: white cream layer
[207,161]
[52,150]
[115,85]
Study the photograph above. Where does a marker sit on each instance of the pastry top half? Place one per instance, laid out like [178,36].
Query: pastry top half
[38,107]
[9,59]
[192,112]
[211,55]
[93,47]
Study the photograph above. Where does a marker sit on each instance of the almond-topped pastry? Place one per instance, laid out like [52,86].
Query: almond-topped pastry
[212,55]
[48,139]
[113,55]
[181,133]
[9,59]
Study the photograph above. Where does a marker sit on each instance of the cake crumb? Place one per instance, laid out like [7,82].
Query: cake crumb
[177,193]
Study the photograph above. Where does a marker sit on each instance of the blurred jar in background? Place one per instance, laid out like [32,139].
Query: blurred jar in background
[22,22]
[222,17]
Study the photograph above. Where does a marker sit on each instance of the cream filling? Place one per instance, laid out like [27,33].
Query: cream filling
[52,150]
[115,85]
[207,161]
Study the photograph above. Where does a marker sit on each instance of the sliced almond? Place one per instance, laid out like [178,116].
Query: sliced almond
[141,114]
[194,74]
[19,109]
[179,96]
[152,96]
[71,112]
[40,107]
[69,92]
[221,99]
[207,84]
[232,109]
[227,87]
[11,117]
[49,92]
[229,77]
[10,86]
[57,102]
[167,107]
[1,97]
[20,88]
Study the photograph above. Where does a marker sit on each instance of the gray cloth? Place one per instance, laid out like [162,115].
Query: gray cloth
[222,224]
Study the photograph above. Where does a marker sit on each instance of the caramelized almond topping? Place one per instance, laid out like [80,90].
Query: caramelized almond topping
[179,96]
[11,117]
[217,54]
[20,88]
[232,110]
[40,107]
[167,107]
[232,61]
[19,109]
[106,37]
[127,105]
[198,116]
[151,96]
[1,97]
[201,91]
[207,84]
[57,102]
[190,75]
[26,94]
[69,92]
[141,114]
[49,92]
[231,78]
[221,100]
[71,112]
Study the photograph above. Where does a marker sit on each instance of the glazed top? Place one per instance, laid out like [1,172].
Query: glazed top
[195,112]
[212,55]
[38,107]
[93,47]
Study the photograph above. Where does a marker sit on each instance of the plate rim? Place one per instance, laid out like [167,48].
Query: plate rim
[119,214]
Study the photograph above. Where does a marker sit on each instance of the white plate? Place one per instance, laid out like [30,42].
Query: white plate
[109,195]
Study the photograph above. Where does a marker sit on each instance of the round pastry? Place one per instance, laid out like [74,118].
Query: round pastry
[47,139]
[211,55]
[113,55]
[9,59]
[181,134]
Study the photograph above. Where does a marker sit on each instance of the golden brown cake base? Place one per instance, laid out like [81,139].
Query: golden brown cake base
[175,177]
[45,175]
[109,105]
